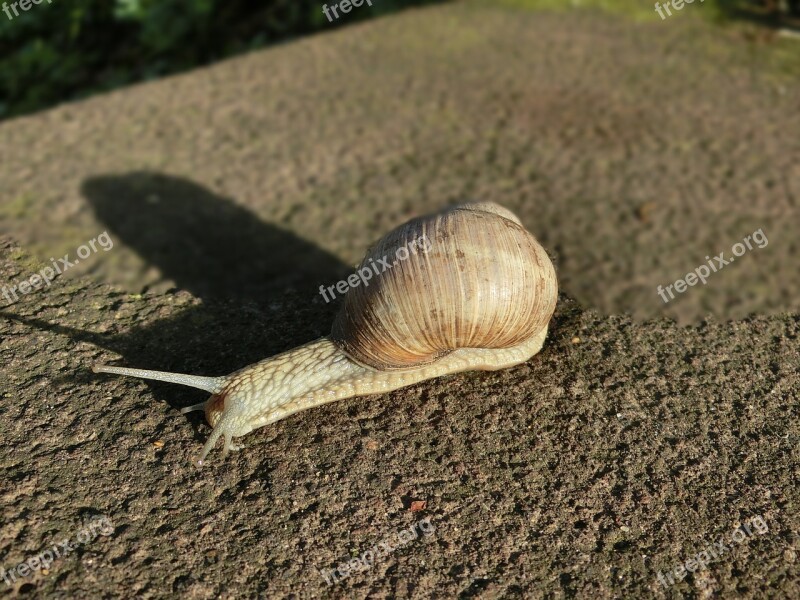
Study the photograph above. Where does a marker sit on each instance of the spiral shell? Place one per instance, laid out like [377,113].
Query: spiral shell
[478,280]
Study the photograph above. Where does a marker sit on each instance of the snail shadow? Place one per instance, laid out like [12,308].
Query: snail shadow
[205,243]
[250,276]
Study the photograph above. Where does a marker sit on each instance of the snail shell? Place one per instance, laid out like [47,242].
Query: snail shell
[484,282]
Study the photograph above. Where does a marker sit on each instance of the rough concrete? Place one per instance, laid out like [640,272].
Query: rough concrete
[583,472]
[632,150]
[627,446]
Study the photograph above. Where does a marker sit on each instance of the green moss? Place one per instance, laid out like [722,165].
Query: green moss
[18,208]
[26,263]
[627,7]
[784,57]
[18,254]
[780,57]
[715,10]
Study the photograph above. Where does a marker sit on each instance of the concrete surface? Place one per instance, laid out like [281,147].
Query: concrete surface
[632,442]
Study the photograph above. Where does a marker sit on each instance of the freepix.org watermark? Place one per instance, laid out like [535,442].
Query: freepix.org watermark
[364,274]
[48,274]
[380,550]
[702,272]
[23,4]
[100,525]
[345,6]
[712,552]
[676,4]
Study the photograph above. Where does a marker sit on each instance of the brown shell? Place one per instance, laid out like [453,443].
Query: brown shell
[484,282]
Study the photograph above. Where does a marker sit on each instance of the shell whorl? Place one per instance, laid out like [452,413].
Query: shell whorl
[478,280]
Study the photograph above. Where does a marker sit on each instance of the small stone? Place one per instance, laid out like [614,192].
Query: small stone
[576,340]
[158,443]
[643,211]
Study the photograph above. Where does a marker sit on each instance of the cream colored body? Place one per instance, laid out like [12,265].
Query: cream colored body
[318,373]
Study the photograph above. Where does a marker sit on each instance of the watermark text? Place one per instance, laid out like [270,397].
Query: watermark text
[364,274]
[380,550]
[702,272]
[99,525]
[48,274]
[712,552]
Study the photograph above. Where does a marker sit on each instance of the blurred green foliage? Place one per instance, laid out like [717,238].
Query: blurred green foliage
[68,49]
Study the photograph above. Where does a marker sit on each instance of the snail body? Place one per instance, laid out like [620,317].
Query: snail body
[478,298]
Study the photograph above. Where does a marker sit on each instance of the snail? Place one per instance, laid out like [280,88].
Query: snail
[479,298]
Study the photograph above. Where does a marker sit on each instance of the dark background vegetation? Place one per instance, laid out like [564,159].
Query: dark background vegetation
[69,49]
